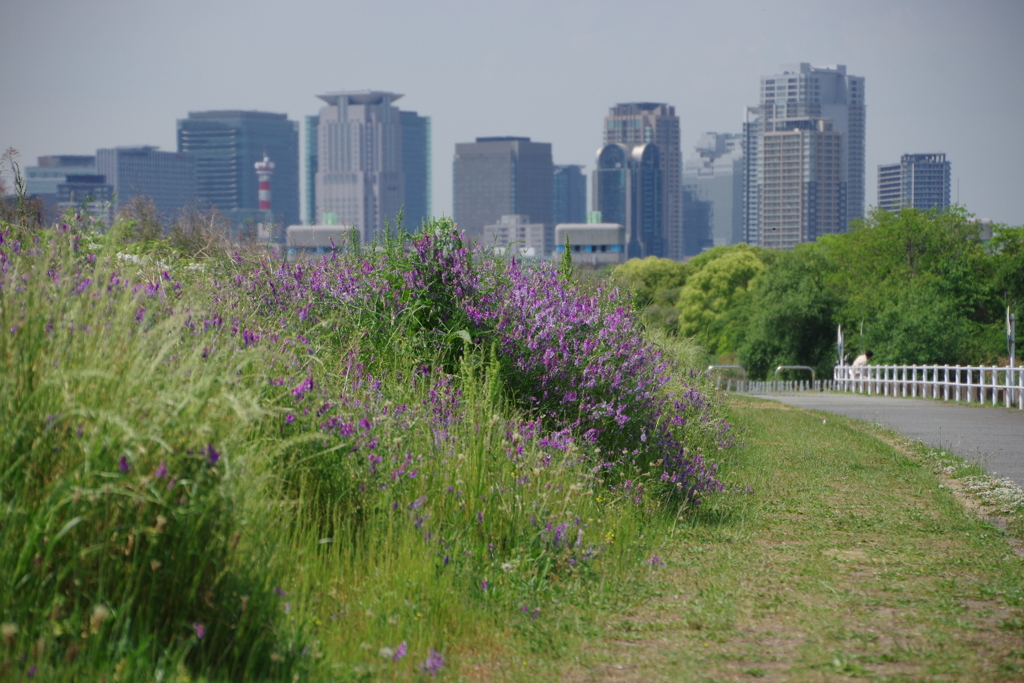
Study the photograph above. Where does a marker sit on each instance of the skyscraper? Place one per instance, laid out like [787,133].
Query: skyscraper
[359,180]
[629,189]
[570,194]
[416,167]
[227,144]
[310,164]
[921,181]
[501,176]
[801,183]
[643,123]
[714,174]
[166,178]
[797,98]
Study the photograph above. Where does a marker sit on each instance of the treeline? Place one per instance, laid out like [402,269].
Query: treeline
[916,288]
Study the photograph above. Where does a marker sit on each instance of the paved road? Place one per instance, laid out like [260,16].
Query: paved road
[991,437]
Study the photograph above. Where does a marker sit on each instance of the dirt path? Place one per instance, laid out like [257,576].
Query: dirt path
[851,559]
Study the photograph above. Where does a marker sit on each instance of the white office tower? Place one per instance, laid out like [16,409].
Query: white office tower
[359,179]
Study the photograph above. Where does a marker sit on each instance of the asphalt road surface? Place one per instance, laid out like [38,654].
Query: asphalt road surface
[990,436]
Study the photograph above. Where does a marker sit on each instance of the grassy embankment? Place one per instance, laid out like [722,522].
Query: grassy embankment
[380,465]
[852,558]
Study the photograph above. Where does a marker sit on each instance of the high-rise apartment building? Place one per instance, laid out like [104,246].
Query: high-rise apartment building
[166,178]
[310,164]
[920,181]
[629,190]
[801,184]
[570,194]
[359,179]
[501,176]
[416,167]
[713,174]
[226,144]
[799,97]
[636,124]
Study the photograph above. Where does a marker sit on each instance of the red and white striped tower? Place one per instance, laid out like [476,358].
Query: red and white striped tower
[264,169]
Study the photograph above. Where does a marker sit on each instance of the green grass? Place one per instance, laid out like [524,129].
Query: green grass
[847,560]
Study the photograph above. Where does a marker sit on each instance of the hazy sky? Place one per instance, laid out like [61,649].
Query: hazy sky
[941,76]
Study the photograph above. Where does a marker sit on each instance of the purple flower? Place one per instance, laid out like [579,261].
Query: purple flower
[200,630]
[31,671]
[483,585]
[304,387]
[141,313]
[161,471]
[480,517]
[122,465]
[418,503]
[400,651]
[212,454]
[655,561]
[289,419]
[278,591]
[432,663]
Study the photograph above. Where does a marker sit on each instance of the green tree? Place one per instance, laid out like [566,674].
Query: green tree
[712,292]
[1007,249]
[655,284]
[790,315]
[920,325]
[886,253]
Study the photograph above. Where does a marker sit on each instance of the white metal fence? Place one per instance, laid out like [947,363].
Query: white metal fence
[972,384]
[744,386]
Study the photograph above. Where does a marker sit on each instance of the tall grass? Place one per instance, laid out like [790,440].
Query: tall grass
[365,465]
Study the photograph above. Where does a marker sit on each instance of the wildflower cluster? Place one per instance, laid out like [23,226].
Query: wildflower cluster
[419,399]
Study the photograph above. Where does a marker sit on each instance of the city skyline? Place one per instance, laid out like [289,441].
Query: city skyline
[915,57]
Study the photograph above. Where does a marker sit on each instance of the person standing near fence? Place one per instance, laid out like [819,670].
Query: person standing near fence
[860,362]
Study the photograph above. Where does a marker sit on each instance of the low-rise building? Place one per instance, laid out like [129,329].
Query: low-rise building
[595,244]
[518,230]
[307,241]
